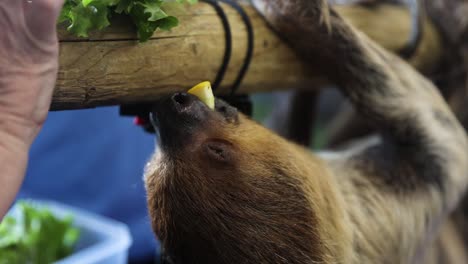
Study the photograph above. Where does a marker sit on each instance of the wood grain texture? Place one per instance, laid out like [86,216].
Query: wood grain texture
[111,67]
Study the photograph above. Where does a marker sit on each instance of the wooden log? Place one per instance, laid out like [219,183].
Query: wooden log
[111,67]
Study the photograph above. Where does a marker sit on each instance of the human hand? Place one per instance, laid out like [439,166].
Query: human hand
[28,65]
[28,69]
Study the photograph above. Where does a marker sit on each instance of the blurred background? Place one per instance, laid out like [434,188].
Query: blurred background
[93,159]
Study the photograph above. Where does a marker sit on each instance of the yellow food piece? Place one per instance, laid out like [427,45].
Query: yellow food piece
[204,93]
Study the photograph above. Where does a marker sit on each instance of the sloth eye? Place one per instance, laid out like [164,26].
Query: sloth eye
[218,150]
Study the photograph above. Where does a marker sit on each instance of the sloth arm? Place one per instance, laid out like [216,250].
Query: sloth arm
[407,180]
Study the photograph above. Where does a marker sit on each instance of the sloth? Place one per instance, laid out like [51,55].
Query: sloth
[224,189]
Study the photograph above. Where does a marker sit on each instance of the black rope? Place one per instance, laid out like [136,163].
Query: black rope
[240,101]
[250,44]
[228,38]
[228,46]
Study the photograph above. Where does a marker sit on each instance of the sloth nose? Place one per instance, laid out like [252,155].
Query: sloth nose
[182,100]
[177,117]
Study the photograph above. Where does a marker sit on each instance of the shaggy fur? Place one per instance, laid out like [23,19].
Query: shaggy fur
[223,189]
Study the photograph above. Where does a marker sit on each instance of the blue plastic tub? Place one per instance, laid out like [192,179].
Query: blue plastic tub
[102,240]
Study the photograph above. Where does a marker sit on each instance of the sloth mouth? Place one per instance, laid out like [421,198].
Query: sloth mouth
[182,119]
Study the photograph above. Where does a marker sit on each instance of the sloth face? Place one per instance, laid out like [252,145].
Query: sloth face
[220,179]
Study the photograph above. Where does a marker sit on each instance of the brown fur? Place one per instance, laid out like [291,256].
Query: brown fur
[223,189]
[263,198]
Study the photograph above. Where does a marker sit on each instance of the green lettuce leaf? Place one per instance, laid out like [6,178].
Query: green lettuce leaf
[36,236]
[83,16]
[86,18]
